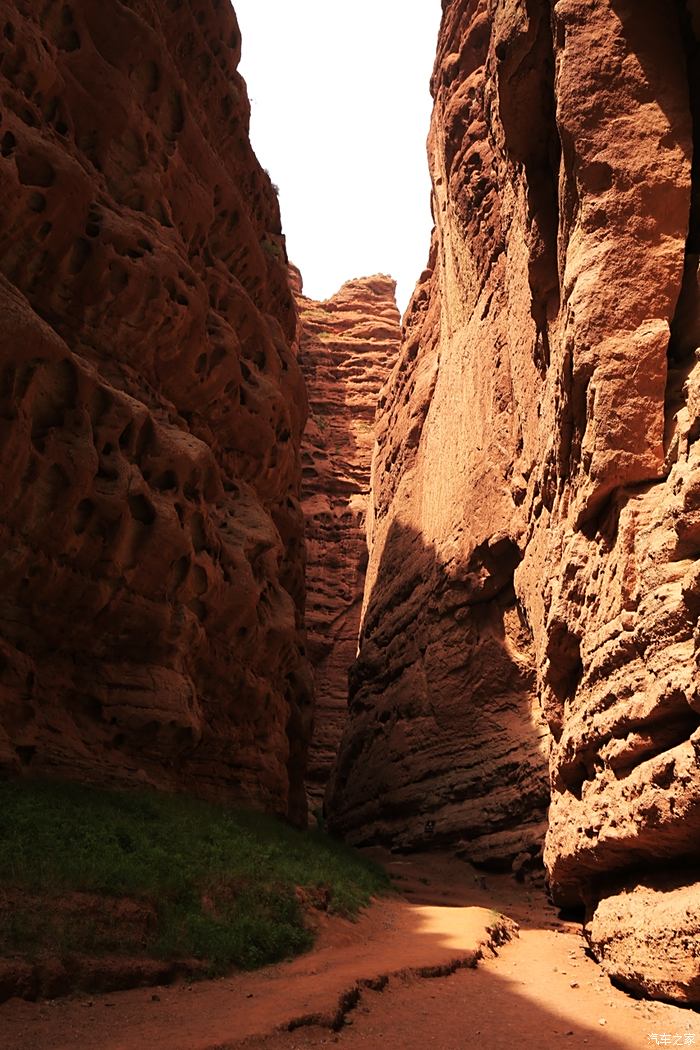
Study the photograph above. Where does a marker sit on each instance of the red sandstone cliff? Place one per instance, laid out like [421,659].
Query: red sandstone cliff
[535,534]
[347,346]
[151,410]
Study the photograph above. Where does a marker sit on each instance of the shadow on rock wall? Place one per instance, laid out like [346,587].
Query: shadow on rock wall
[445,741]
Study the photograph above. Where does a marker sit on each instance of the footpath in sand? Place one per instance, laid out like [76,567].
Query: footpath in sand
[420,971]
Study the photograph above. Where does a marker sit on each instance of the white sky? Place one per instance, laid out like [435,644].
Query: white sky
[340,112]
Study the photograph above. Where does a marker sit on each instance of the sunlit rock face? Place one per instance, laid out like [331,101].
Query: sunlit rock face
[535,509]
[347,346]
[151,409]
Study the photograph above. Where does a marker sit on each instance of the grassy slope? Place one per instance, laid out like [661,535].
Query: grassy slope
[222,883]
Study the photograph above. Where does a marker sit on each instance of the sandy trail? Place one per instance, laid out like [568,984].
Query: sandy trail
[381,983]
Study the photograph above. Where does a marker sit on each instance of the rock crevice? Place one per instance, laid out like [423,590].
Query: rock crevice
[348,344]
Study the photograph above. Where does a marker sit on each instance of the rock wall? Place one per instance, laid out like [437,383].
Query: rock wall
[535,532]
[347,346]
[151,409]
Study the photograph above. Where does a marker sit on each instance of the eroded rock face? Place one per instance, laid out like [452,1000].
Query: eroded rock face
[347,346]
[536,494]
[646,936]
[151,410]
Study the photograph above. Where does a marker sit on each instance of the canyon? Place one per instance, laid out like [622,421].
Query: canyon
[183,553]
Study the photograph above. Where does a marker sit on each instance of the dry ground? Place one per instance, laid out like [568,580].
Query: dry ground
[417,971]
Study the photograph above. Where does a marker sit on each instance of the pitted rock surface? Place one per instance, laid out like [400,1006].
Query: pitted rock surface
[151,410]
[534,537]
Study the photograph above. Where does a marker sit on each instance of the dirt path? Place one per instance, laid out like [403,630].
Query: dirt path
[380,982]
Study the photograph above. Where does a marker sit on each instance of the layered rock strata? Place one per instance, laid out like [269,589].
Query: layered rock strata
[347,346]
[151,410]
[535,536]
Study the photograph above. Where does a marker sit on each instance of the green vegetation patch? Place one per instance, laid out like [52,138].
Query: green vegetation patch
[167,876]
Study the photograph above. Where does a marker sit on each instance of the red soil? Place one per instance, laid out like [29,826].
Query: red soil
[369,980]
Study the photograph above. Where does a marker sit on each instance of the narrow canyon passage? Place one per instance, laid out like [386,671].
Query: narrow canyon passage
[347,347]
[427,585]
